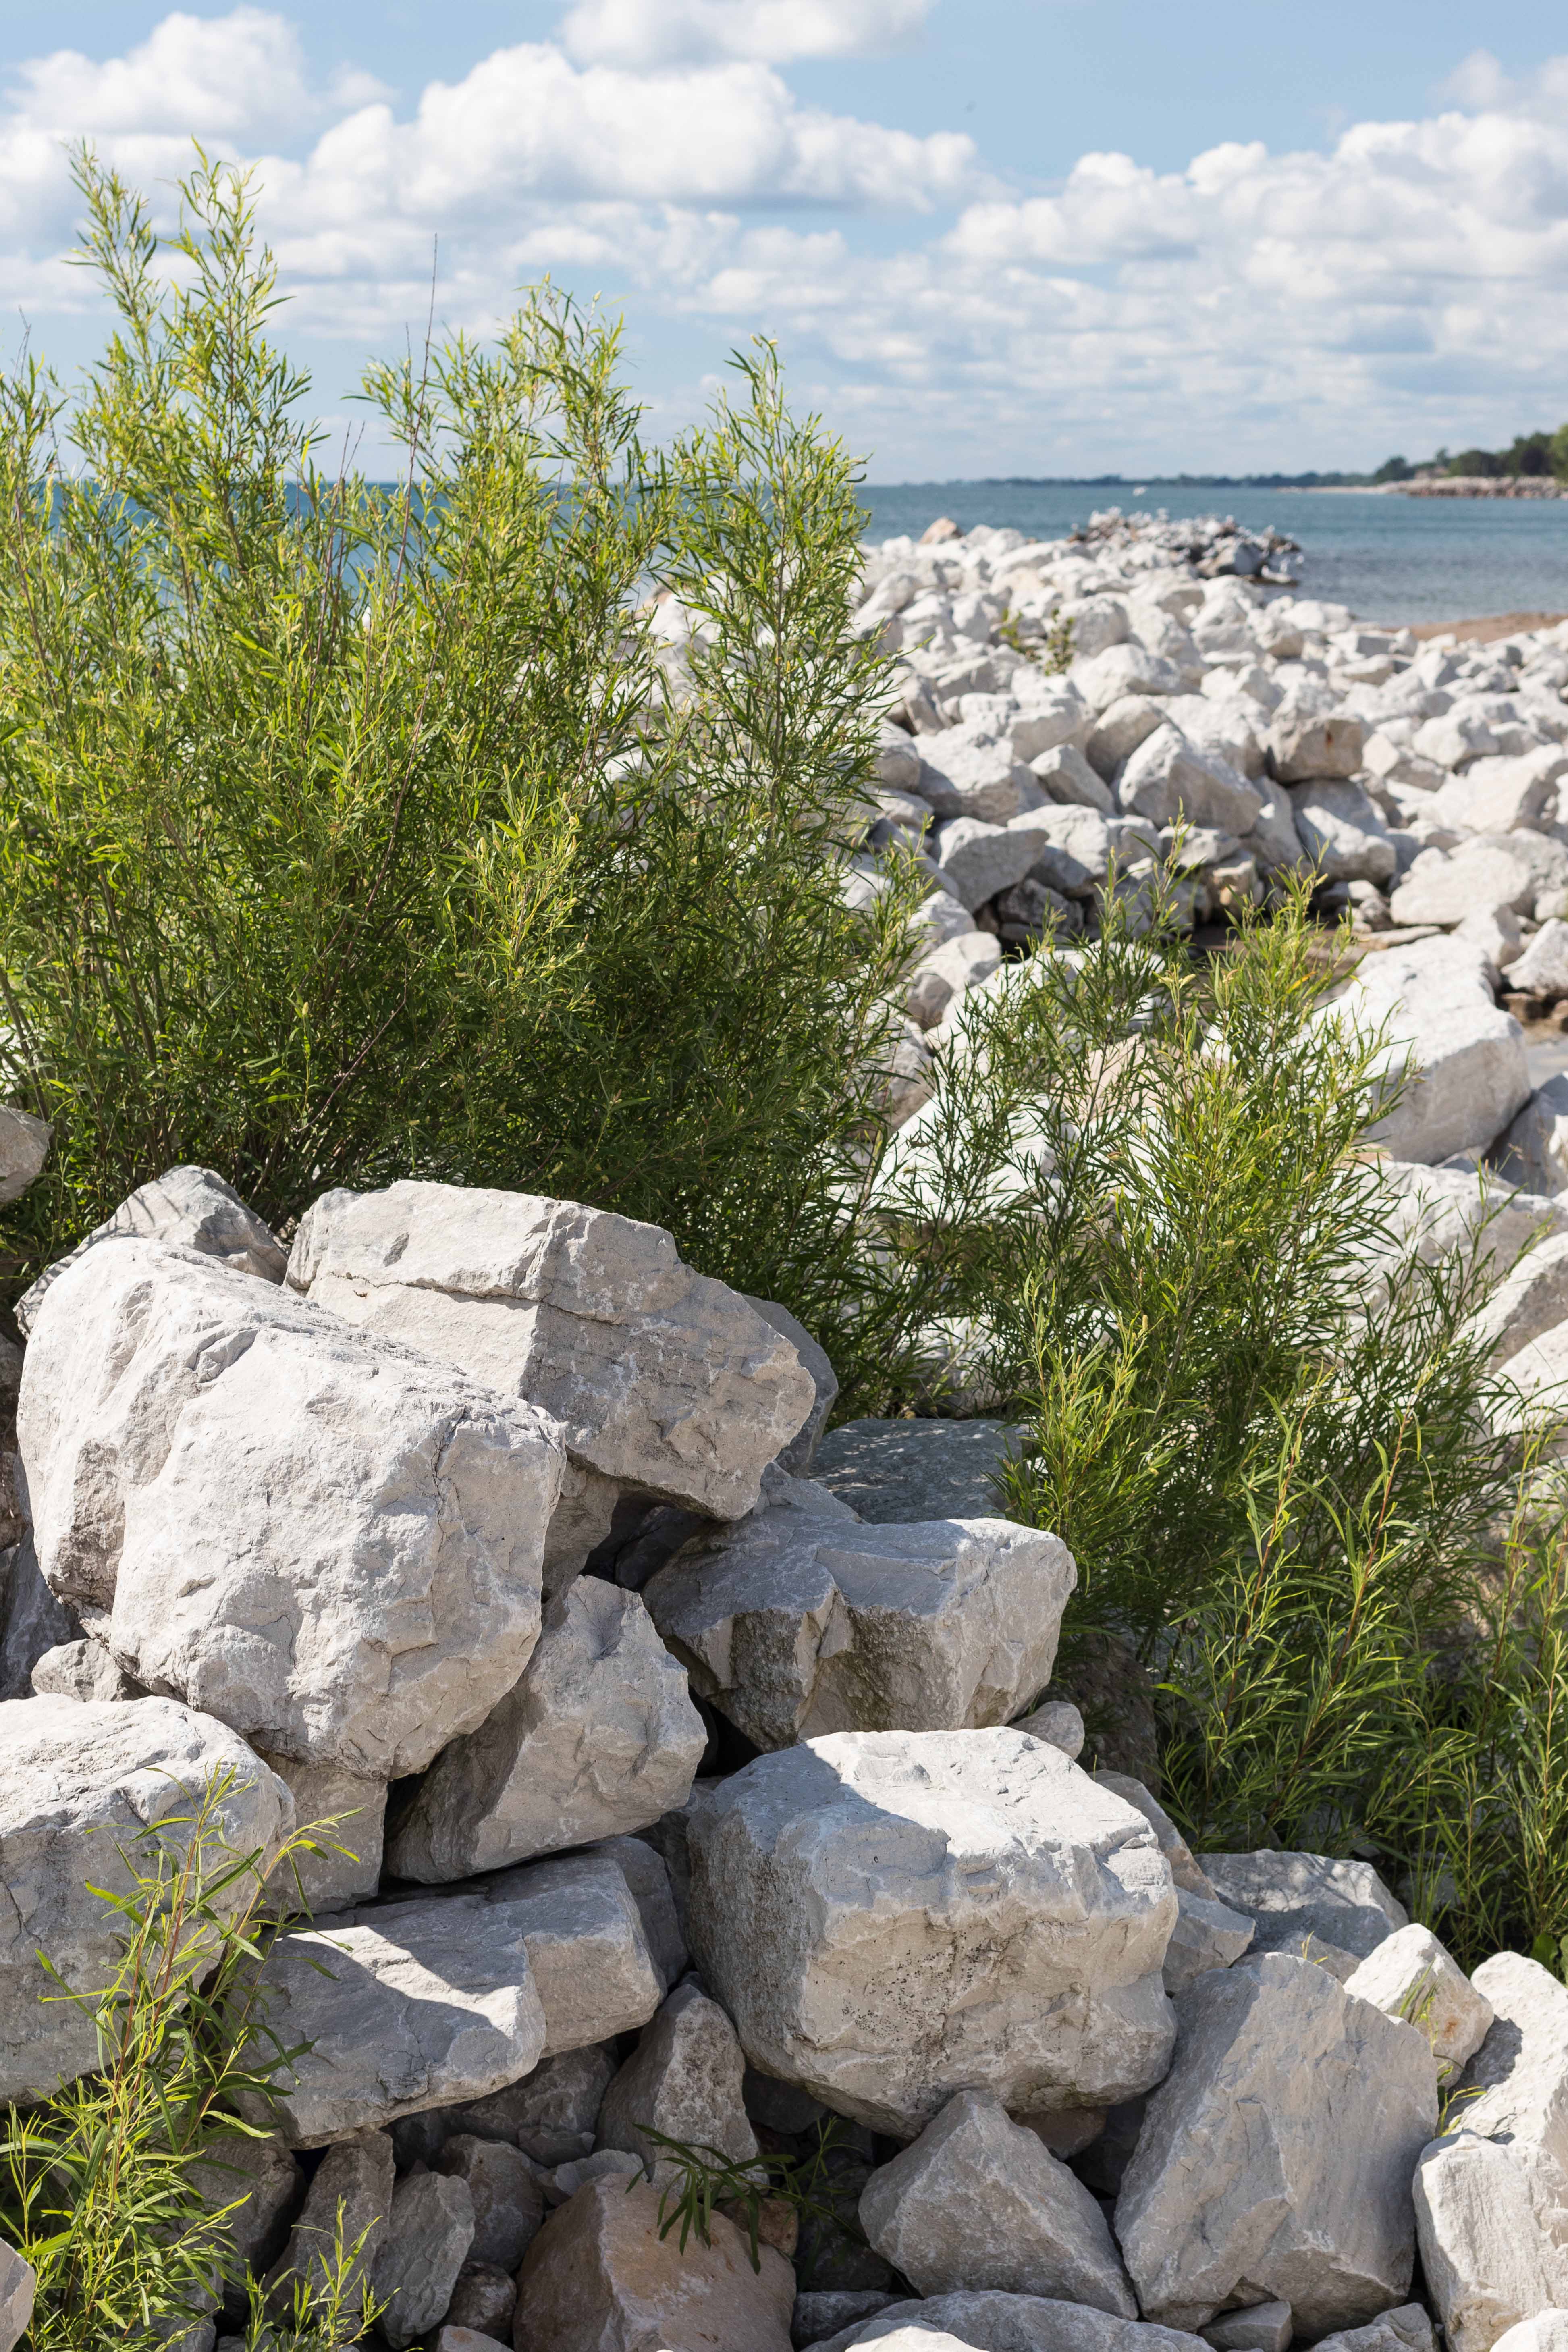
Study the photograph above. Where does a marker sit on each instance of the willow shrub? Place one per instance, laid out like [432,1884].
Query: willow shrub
[1141,1205]
[356,831]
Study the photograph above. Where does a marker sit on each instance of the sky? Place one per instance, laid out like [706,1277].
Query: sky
[990,236]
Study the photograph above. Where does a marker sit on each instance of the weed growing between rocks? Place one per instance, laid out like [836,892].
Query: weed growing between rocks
[115,2189]
[355,830]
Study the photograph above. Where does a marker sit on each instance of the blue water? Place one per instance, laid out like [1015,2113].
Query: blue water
[1389,559]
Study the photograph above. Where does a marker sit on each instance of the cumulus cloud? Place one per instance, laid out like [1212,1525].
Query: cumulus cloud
[1403,285]
[642,32]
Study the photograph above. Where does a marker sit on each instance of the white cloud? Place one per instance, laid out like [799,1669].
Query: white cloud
[643,33]
[1402,288]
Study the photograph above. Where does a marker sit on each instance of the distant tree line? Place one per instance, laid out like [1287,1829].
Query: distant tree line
[1528,453]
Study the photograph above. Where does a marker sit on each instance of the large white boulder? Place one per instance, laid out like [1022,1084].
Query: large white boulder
[189,1208]
[598,1738]
[1341,832]
[79,1783]
[586,1944]
[1312,736]
[976,859]
[419,2005]
[1172,781]
[1412,1975]
[667,1385]
[1278,2152]
[311,1532]
[1486,2262]
[1466,1074]
[1444,885]
[1121,671]
[1515,2088]
[891,1917]
[602,2273]
[978,2200]
[802,1621]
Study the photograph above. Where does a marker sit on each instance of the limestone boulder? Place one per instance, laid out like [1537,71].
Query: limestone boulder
[1341,832]
[1173,781]
[822,2313]
[684,2080]
[993,2322]
[1261,2327]
[1536,1145]
[976,859]
[1311,737]
[190,1208]
[1407,2328]
[1486,2264]
[978,2201]
[23,1148]
[598,1738]
[1278,2152]
[599,2277]
[506,2202]
[431,2003]
[33,1623]
[586,1947]
[429,2229]
[19,2286]
[1073,781]
[1443,885]
[652,1889]
[1207,1935]
[1411,1976]
[349,2203]
[1307,1903]
[83,1670]
[548,2115]
[1108,678]
[1515,2088]
[1462,1059]
[796,1456]
[668,1386]
[1531,1300]
[331,1543]
[78,1782]
[1059,1723]
[801,1622]
[1547,2332]
[892,1916]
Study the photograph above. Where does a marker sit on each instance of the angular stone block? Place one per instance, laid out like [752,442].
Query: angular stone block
[599,2274]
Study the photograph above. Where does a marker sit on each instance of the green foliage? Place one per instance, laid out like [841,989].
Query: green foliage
[101,2186]
[325,2310]
[1052,653]
[357,831]
[706,2180]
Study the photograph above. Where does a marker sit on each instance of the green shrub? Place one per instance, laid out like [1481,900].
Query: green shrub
[353,832]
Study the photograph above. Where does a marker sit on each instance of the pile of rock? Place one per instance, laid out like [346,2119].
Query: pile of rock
[1220,731]
[686,1797]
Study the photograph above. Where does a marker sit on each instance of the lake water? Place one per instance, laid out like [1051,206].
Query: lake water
[1389,559]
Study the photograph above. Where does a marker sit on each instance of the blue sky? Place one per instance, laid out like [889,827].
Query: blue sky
[991,236]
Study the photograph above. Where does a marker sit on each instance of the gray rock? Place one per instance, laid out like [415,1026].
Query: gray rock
[348,2203]
[18,2285]
[1118,731]
[801,1622]
[1485,2261]
[1205,1936]
[1075,852]
[1465,1058]
[648,1882]
[359,1584]
[1262,2327]
[1542,969]
[84,1670]
[425,2004]
[976,2201]
[1307,1904]
[666,1384]
[816,2315]
[23,1148]
[190,1208]
[1121,670]
[796,1456]
[586,1947]
[598,1738]
[549,2115]
[1072,780]
[599,2273]
[1174,781]
[1185,1868]
[1278,2154]
[1342,833]
[429,2230]
[469,2339]
[350,1814]
[32,1621]
[893,1471]
[1445,886]
[1059,1723]
[78,1782]
[683,2080]
[482,2303]
[1008,2323]
[1411,1976]
[1406,2329]
[1306,740]
[1515,2088]
[505,2202]
[891,1916]
[979,859]
[1533,1297]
